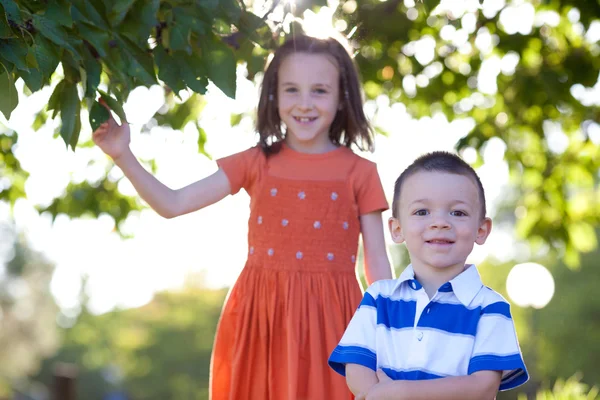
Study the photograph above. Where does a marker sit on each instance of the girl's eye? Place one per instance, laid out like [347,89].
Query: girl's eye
[290,90]
[458,213]
[320,91]
[421,213]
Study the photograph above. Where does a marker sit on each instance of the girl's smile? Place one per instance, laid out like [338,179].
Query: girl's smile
[308,100]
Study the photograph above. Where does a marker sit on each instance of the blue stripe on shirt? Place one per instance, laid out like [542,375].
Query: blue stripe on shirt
[498,308]
[412,375]
[451,318]
[343,355]
[396,314]
[490,362]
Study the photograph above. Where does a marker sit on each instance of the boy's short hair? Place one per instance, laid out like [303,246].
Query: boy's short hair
[438,161]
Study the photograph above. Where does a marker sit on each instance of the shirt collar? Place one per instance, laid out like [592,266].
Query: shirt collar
[465,286]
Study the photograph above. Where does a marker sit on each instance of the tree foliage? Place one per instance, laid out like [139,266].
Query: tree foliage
[159,351]
[523,86]
[28,331]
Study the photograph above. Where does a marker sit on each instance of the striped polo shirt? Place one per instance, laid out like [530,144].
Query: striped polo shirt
[466,327]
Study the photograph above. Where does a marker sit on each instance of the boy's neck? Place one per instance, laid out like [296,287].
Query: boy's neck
[432,278]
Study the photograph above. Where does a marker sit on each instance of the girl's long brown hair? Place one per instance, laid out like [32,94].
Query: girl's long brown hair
[350,125]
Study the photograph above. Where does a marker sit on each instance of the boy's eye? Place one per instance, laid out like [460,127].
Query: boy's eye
[421,212]
[458,213]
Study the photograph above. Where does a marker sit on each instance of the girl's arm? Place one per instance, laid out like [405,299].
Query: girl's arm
[360,378]
[114,139]
[481,385]
[377,263]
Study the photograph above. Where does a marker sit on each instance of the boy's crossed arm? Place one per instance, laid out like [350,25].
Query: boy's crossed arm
[481,385]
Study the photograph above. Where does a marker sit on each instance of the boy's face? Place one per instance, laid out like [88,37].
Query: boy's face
[439,220]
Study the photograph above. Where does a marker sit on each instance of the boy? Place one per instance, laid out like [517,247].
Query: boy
[435,332]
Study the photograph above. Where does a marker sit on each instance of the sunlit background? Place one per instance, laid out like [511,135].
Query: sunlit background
[209,246]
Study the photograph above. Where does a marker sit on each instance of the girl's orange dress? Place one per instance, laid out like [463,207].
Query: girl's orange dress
[298,289]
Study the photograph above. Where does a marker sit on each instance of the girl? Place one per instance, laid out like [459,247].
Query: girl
[311,197]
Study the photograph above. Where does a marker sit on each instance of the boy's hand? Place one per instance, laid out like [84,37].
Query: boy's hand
[112,138]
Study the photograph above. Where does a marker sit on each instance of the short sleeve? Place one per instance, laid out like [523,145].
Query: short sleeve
[370,196]
[497,348]
[242,169]
[358,345]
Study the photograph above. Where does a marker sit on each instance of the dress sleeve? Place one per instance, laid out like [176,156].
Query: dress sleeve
[496,346]
[368,188]
[358,345]
[242,169]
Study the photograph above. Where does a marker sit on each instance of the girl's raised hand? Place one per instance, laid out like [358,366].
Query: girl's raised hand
[111,137]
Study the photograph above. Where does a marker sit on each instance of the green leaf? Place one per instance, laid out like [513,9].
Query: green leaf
[12,11]
[40,120]
[113,105]
[9,98]
[179,38]
[93,71]
[56,98]
[45,55]
[84,11]
[193,72]
[55,33]
[77,127]
[69,111]
[230,10]
[59,11]
[15,51]
[138,26]
[96,37]
[168,70]
[119,11]
[5,31]
[220,64]
[202,141]
[140,63]
[188,18]
[256,29]
[98,115]
[33,79]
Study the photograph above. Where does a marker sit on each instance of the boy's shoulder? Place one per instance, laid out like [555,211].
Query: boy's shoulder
[488,296]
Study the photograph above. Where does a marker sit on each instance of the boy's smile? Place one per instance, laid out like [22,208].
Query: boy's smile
[439,220]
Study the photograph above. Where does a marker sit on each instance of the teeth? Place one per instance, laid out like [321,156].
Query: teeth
[304,119]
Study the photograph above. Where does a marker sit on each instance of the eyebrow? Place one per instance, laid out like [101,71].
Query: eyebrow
[316,84]
[425,201]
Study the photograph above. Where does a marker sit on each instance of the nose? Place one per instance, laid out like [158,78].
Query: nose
[438,221]
[306,102]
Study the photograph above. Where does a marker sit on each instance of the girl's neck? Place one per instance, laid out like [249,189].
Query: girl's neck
[310,147]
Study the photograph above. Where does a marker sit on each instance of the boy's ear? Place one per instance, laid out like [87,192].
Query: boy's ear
[396,230]
[484,231]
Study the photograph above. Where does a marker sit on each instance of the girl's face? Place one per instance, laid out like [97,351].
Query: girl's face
[308,100]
